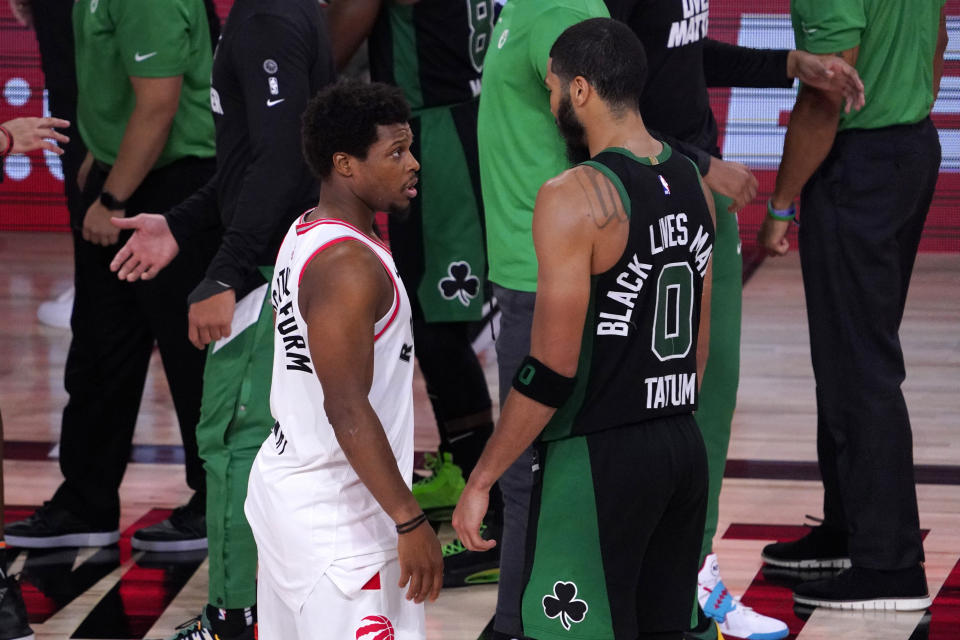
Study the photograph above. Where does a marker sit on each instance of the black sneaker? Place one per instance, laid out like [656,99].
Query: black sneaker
[860,588]
[462,567]
[52,526]
[13,613]
[822,548]
[184,530]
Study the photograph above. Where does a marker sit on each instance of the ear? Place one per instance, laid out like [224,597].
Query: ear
[343,164]
[580,91]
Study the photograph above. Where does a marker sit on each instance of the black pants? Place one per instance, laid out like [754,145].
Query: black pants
[115,325]
[54,28]
[863,214]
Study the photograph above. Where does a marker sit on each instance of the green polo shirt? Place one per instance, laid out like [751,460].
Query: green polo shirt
[519,145]
[897,40]
[117,39]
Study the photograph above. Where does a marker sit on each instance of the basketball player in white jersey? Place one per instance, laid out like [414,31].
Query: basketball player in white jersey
[339,534]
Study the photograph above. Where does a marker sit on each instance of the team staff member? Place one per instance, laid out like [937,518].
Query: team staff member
[434,50]
[675,103]
[143,70]
[272,58]
[619,511]
[339,534]
[867,179]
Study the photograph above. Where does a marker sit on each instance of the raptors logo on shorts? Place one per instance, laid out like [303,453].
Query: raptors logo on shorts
[375,628]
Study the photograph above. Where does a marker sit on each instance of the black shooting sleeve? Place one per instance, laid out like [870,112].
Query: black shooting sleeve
[196,214]
[729,65]
[273,70]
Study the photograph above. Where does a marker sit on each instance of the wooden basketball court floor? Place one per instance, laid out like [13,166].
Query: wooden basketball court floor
[771,479]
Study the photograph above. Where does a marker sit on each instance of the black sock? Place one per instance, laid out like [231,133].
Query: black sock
[228,623]
[703,622]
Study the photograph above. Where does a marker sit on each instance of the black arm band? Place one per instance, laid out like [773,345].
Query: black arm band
[539,382]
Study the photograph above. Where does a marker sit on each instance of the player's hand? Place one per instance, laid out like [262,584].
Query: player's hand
[468,516]
[421,563]
[97,227]
[30,134]
[150,248]
[829,73]
[733,180]
[773,236]
[23,12]
[209,320]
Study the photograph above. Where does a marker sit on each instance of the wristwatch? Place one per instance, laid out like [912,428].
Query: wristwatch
[109,201]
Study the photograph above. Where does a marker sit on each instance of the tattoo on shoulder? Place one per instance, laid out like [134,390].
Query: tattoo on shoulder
[603,199]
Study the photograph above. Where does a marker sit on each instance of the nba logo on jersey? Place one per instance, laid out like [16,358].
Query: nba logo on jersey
[666,187]
[375,628]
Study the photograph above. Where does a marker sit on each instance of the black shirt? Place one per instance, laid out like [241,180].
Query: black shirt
[682,62]
[274,55]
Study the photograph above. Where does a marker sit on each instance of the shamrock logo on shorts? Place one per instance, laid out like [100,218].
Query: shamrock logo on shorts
[563,604]
[460,283]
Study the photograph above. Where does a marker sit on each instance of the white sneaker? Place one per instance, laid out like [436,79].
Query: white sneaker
[57,312]
[733,617]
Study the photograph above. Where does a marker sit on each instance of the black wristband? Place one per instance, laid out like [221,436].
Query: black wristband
[207,288]
[110,202]
[539,382]
[410,525]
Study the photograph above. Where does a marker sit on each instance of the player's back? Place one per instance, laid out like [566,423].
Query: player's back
[639,345]
[305,503]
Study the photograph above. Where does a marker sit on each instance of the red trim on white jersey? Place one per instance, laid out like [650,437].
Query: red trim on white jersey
[396,291]
[303,227]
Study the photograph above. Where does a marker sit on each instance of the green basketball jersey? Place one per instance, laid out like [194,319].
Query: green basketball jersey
[433,49]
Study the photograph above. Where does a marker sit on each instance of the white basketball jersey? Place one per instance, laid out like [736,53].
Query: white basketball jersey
[305,504]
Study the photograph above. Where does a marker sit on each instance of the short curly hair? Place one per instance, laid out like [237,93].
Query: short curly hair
[344,117]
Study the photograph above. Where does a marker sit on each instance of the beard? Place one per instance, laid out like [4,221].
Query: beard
[574,135]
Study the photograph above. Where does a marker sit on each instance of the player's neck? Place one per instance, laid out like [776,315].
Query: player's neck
[339,204]
[627,132]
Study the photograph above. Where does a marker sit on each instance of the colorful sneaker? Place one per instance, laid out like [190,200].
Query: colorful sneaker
[732,616]
[199,629]
[13,613]
[437,494]
[462,567]
[52,526]
[822,548]
[871,589]
[184,530]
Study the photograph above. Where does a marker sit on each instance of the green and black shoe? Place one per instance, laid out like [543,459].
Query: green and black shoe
[437,494]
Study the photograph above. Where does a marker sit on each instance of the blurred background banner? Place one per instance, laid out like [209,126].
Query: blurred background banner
[752,123]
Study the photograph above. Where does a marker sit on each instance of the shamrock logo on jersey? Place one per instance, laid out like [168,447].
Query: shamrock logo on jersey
[563,604]
[460,283]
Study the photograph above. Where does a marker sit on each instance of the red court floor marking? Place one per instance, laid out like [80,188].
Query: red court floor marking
[945,612]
